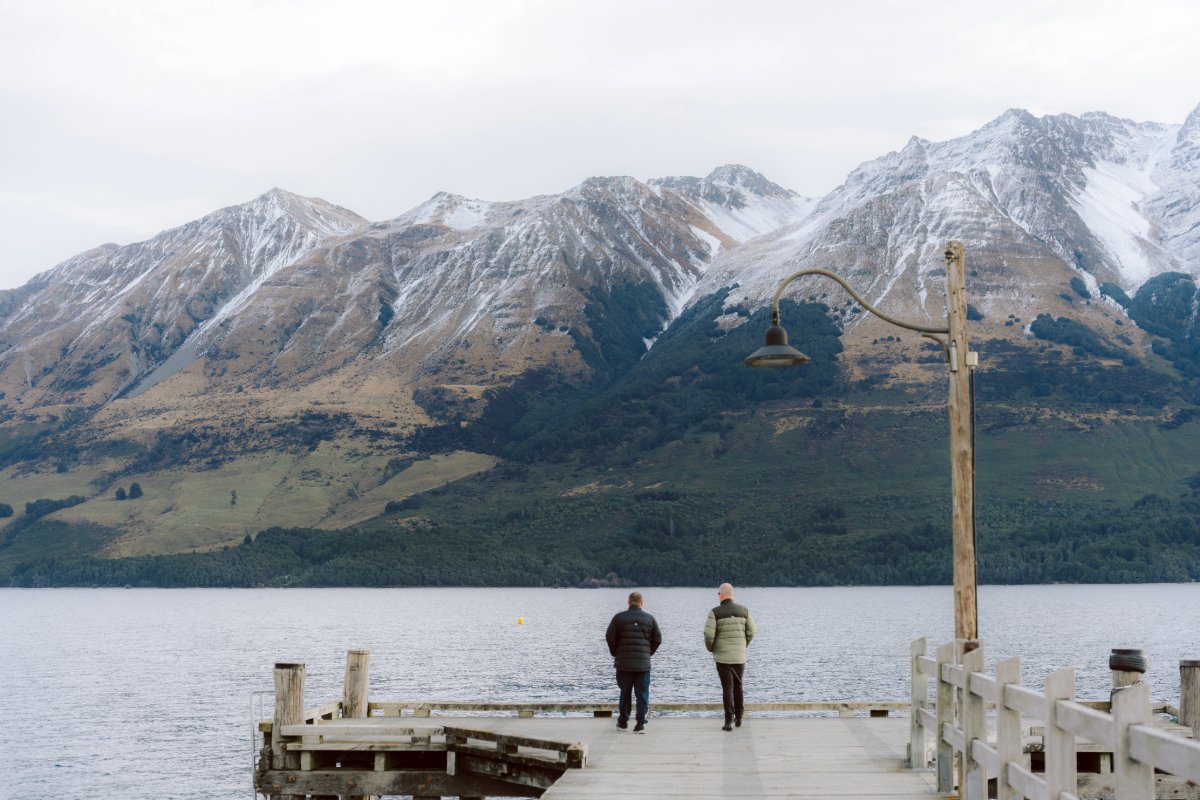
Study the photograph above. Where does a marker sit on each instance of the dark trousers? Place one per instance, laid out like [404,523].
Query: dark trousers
[633,683]
[731,689]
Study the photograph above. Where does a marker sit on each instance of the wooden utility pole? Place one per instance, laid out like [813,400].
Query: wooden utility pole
[962,447]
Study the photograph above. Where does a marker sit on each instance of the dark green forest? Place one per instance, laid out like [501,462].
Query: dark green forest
[668,543]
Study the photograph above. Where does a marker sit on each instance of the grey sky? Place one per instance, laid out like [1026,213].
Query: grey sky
[124,117]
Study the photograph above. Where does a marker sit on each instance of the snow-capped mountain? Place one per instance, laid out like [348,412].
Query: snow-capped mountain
[293,294]
[1037,201]
[92,327]
[284,290]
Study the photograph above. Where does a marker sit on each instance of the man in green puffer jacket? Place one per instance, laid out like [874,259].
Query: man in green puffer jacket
[727,633]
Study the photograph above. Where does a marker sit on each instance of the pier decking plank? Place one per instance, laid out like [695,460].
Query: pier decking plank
[765,758]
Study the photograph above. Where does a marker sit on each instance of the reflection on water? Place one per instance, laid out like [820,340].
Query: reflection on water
[145,693]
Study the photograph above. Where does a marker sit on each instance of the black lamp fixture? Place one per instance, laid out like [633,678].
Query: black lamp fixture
[776,352]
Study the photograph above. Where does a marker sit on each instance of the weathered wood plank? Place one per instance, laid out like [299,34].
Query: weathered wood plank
[678,757]
[325,711]
[1171,753]
[1095,726]
[364,727]
[1025,701]
[478,733]
[396,782]
[1008,727]
[822,757]
[1026,783]
[520,759]
[398,709]
[369,746]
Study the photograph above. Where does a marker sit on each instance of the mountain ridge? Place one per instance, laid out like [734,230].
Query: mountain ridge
[328,350]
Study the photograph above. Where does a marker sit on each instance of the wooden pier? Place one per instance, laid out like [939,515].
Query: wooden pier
[1031,745]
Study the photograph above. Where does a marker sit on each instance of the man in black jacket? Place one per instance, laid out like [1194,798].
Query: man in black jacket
[633,637]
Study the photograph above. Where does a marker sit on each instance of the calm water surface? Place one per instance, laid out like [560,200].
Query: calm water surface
[144,693]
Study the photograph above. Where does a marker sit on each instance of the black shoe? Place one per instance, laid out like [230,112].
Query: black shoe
[727,726]
[639,728]
[622,724]
[737,722]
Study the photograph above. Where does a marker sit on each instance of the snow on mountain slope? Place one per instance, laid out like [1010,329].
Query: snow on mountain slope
[1110,203]
[1175,209]
[120,311]
[1036,200]
[501,265]
[740,202]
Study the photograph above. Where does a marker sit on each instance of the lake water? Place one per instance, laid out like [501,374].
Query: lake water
[142,693]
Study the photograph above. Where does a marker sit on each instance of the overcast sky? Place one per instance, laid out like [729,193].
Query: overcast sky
[120,118]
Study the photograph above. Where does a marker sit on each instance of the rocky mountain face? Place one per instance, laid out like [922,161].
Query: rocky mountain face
[286,290]
[260,315]
[104,323]
[1037,202]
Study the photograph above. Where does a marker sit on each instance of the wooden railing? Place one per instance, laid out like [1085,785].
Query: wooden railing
[958,722]
[426,708]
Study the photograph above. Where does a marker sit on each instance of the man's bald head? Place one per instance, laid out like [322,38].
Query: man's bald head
[725,591]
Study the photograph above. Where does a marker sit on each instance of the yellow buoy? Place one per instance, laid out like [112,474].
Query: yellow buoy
[520,620]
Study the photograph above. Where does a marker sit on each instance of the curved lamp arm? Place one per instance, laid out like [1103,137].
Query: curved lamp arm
[923,329]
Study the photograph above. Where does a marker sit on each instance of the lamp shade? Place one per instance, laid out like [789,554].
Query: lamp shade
[776,352]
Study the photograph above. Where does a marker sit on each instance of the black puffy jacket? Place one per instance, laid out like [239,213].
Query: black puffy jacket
[633,636]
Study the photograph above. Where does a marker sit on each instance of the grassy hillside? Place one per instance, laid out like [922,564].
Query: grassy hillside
[781,495]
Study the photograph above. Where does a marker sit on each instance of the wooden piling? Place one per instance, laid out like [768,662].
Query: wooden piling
[289,710]
[1127,665]
[354,686]
[354,691]
[1189,696]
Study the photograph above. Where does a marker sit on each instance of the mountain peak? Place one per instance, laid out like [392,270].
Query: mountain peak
[1011,120]
[448,209]
[281,198]
[727,186]
[735,175]
[1191,125]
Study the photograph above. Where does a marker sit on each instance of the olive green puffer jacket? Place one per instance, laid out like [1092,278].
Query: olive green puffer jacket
[727,632]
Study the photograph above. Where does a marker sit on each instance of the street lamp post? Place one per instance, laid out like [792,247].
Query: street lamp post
[962,362]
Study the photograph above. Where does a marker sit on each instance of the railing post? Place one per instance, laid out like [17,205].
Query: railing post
[289,710]
[1132,780]
[1189,696]
[1060,743]
[918,755]
[945,716]
[1008,728]
[974,726]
